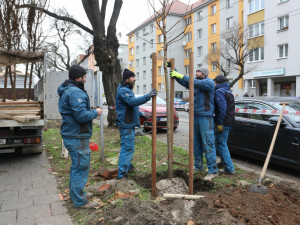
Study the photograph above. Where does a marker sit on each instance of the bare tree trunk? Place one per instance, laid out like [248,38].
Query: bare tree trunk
[30,82]
[13,96]
[25,81]
[5,83]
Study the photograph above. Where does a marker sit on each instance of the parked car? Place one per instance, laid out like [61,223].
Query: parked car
[161,114]
[187,107]
[179,103]
[255,125]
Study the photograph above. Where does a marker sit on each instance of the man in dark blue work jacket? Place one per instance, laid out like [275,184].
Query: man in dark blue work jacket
[128,119]
[76,130]
[204,140]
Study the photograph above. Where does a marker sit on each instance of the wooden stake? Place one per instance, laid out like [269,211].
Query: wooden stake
[172,95]
[184,197]
[191,122]
[154,74]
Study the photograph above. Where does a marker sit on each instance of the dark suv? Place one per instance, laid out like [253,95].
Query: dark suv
[255,125]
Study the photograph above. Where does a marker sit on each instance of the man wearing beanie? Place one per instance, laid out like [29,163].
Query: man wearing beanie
[224,118]
[204,140]
[76,130]
[127,108]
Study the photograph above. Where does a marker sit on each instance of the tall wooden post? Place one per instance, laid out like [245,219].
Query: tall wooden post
[172,95]
[191,122]
[153,164]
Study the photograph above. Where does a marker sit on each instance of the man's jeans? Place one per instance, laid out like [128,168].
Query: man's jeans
[204,141]
[222,149]
[80,155]
[127,151]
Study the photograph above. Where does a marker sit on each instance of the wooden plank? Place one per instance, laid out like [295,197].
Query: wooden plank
[28,117]
[5,116]
[14,112]
[20,108]
[20,103]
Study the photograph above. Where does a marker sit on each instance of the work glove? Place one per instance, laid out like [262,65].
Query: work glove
[153,92]
[174,73]
[220,128]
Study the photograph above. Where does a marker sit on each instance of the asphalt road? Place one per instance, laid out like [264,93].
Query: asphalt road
[181,138]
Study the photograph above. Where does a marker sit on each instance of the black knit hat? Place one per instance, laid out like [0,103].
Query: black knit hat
[76,71]
[127,74]
[220,79]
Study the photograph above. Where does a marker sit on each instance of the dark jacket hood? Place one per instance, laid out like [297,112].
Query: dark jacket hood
[224,85]
[67,84]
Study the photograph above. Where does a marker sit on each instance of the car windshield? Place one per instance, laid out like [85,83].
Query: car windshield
[292,107]
[159,101]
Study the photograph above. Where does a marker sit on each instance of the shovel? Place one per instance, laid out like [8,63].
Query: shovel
[259,188]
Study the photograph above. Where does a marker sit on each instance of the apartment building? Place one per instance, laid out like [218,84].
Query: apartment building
[276,72]
[202,24]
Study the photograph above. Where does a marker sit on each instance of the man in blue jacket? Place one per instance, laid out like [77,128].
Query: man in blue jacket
[204,140]
[224,118]
[76,130]
[127,119]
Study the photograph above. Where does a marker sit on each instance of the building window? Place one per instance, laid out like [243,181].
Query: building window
[137,89]
[161,53]
[214,28]
[229,3]
[283,22]
[199,51]
[160,70]
[131,51]
[187,53]
[214,47]
[144,88]
[131,63]
[144,74]
[131,39]
[161,39]
[214,66]
[188,37]
[144,60]
[161,23]
[257,55]
[137,75]
[283,51]
[229,22]
[144,46]
[256,5]
[159,87]
[199,16]
[137,49]
[137,36]
[151,43]
[137,63]
[257,29]
[252,83]
[228,64]
[187,70]
[199,33]
[213,9]
[144,30]
[188,21]
[199,65]
[281,1]
[151,28]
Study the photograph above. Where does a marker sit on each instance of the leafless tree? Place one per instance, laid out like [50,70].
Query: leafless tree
[169,37]
[234,51]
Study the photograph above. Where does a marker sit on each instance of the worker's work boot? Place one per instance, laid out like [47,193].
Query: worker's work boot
[89,195]
[89,205]
[210,176]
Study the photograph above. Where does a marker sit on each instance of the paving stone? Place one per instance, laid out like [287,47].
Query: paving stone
[10,180]
[2,187]
[52,190]
[8,217]
[45,183]
[16,204]
[3,173]
[25,222]
[32,192]
[13,187]
[58,208]
[34,212]
[64,219]
[8,195]
[46,199]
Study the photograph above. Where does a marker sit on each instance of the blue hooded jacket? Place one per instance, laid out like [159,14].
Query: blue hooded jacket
[74,107]
[224,102]
[203,95]
[127,106]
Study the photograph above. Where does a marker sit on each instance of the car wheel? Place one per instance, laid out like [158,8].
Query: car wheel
[175,128]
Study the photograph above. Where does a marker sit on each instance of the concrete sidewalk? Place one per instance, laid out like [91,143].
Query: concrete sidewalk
[29,193]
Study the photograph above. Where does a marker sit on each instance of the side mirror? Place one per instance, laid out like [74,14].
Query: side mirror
[274,120]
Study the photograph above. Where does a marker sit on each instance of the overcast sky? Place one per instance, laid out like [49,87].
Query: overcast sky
[133,13]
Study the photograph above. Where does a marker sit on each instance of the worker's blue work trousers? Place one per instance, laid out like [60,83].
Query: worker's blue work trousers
[204,142]
[80,155]
[127,151]
[222,149]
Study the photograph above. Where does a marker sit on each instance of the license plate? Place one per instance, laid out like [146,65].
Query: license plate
[2,141]
[163,119]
